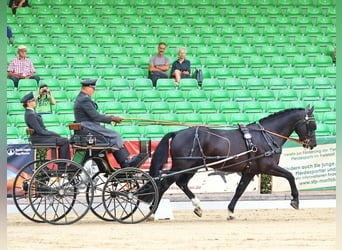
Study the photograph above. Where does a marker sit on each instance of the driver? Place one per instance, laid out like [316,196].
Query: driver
[86,114]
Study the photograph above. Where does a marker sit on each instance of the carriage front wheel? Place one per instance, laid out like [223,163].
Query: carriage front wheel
[130,195]
[62,187]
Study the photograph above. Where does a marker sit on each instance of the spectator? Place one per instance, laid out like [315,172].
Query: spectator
[159,65]
[86,114]
[45,100]
[181,67]
[40,133]
[14,4]
[10,35]
[21,67]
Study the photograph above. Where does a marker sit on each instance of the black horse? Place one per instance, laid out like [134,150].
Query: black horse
[251,150]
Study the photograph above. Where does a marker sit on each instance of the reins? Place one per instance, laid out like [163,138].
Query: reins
[173,123]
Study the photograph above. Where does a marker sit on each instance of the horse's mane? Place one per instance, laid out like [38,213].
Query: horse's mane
[279,113]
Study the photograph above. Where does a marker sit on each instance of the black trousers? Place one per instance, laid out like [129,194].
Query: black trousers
[63,143]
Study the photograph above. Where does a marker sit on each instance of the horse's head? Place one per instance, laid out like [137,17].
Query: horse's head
[306,127]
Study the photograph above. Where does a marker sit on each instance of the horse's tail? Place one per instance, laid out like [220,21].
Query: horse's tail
[161,154]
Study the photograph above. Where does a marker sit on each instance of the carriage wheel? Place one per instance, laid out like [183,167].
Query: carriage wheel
[20,189]
[97,207]
[62,193]
[130,195]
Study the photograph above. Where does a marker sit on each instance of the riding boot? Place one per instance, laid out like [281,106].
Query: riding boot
[136,161]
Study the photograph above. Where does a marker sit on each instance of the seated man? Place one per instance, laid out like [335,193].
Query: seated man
[159,65]
[86,114]
[181,67]
[40,133]
[21,67]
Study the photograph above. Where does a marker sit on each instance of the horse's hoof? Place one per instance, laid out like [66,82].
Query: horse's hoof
[295,204]
[231,216]
[151,218]
[198,211]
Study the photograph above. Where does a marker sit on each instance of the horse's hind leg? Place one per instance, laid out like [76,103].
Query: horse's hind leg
[281,172]
[182,183]
[244,181]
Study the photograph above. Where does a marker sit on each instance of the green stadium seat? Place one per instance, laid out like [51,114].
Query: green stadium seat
[86,41]
[78,31]
[329,117]
[35,31]
[242,95]
[211,84]
[196,95]
[72,84]
[154,131]
[330,72]
[223,3]
[65,73]
[136,107]
[235,62]
[12,133]
[100,31]
[14,108]
[183,107]
[323,41]
[13,96]
[37,4]
[27,85]
[65,11]
[219,95]
[310,95]
[238,41]
[279,61]
[173,96]
[238,118]
[134,73]
[103,62]
[281,41]
[51,120]
[127,96]
[88,73]
[255,83]
[257,62]
[274,106]
[311,72]
[264,95]
[201,21]
[117,51]
[112,108]
[38,62]
[213,62]
[270,51]
[188,84]
[229,107]
[321,106]
[58,62]
[322,130]
[142,84]
[206,107]
[312,50]
[295,104]
[267,73]
[64,107]
[216,119]
[194,41]
[81,62]
[252,107]
[9,84]
[103,96]
[72,51]
[299,83]
[322,83]
[248,51]
[52,83]
[85,12]
[195,61]
[289,72]
[287,95]
[159,107]
[151,96]
[126,62]
[229,31]
[301,61]
[60,95]
[329,94]
[233,83]
[130,131]
[119,84]
[192,118]
[165,84]
[302,41]
[65,41]
[245,73]
[323,61]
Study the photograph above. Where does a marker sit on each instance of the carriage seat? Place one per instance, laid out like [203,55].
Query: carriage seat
[37,143]
[84,137]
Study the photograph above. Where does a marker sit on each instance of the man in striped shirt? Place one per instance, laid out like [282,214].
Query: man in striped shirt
[21,67]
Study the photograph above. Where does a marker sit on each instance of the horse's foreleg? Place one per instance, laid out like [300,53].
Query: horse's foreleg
[244,181]
[182,183]
[281,172]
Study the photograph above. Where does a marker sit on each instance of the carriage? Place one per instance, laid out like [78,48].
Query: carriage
[62,191]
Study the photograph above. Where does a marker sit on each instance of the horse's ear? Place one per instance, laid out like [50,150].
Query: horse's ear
[309,109]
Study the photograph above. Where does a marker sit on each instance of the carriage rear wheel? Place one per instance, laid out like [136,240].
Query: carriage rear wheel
[20,189]
[130,195]
[97,207]
[62,187]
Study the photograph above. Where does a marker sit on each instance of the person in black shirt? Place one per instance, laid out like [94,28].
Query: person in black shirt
[180,68]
